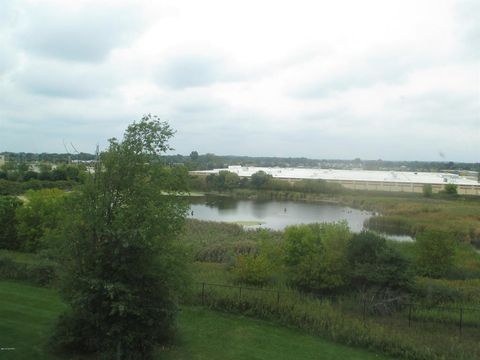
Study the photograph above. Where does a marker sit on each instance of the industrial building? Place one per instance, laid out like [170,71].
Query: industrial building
[399,181]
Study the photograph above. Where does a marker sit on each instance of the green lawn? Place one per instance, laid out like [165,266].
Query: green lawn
[211,335]
[27,314]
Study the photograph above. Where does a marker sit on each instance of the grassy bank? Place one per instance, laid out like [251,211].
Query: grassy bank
[429,333]
[204,334]
[28,314]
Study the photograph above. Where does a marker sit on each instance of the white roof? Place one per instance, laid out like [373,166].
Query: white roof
[351,175]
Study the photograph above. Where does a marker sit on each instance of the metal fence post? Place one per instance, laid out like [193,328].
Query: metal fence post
[278,298]
[410,315]
[364,311]
[240,292]
[203,293]
[460,323]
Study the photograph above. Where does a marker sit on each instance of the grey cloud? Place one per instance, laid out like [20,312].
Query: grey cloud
[9,12]
[440,109]
[56,79]
[468,26]
[191,71]
[388,68]
[8,61]
[87,35]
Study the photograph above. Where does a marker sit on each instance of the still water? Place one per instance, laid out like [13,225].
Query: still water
[272,214]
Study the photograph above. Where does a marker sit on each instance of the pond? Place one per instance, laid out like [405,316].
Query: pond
[274,215]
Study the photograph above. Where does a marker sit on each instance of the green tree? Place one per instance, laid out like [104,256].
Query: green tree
[262,266]
[315,255]
[42,213]
[58,174]
[8,222]
[121,262]
[427,190]
[450,189]
[435,253]
[374,264]
[194,155]
[260,179]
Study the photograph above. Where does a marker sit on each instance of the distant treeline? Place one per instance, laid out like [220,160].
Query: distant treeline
[208,161]
[16,178]
[47,157]
[227,181]
[211,161]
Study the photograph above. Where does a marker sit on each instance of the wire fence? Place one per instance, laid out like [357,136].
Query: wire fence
[401,314]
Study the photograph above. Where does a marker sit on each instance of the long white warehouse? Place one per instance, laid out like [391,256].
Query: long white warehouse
[364,179]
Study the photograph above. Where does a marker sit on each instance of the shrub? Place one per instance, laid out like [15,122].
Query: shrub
[450,189]
[41,213]
[441,291]
[253,269]
[8,222]
[375,264]
[221,252]
[315,255]
[42,273]
[427,190]
[435,253]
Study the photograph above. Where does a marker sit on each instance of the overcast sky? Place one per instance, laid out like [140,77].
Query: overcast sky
[396,80]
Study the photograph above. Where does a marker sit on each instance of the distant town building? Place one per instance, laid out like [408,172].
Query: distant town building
[401,181]
[2,160]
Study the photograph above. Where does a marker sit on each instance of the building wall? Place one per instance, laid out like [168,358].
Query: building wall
[2,160]
[388,186]
[403,187]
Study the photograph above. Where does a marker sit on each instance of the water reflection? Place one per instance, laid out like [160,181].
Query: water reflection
[275,214]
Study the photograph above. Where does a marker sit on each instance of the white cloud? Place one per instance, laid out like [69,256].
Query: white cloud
[344,79]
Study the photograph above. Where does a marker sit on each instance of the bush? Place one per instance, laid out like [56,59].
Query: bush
[253,269]
[442,291]
[315,255]
[221,252]
[450,189]
[9,269]
[435,253]
[41,214]
[42,273]
[375,264]
[427,190]
[72,335]
[8,222]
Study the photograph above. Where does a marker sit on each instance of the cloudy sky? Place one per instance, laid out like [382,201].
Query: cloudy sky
[389,79]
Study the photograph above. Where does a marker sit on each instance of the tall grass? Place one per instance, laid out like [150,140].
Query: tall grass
[342,322]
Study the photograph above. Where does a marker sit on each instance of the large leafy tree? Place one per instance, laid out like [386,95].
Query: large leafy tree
[315,255]
[40,215]
[121,262]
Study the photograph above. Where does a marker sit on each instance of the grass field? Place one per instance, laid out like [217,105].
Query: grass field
[27,314]
[210,335]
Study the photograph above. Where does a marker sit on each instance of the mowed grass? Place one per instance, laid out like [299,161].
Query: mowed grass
[207,335]
[28,314]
